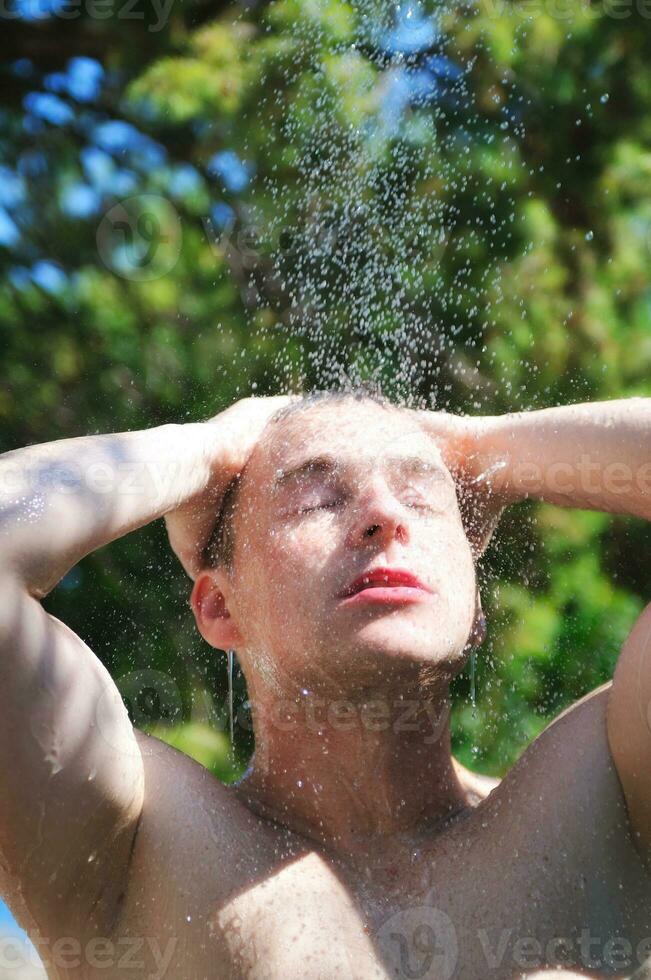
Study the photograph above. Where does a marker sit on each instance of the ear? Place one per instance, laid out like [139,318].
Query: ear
[214,621]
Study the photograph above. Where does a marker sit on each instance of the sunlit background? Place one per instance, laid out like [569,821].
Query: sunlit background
[204,200]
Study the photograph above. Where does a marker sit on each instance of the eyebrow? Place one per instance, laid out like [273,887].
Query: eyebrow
[330,464]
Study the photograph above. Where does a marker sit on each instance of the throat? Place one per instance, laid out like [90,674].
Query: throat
[350,791]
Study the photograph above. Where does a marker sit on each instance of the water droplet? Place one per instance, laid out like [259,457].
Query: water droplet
[229,667]
[589,236]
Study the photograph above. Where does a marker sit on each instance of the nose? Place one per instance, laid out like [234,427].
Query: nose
[379,516]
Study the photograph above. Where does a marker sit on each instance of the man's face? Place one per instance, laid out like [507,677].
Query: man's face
[380,495]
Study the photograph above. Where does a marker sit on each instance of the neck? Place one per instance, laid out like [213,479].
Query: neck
[344,773]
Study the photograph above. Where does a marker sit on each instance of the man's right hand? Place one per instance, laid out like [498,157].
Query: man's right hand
[230,437]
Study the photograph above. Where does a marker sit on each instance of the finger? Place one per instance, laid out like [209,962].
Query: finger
[189,527]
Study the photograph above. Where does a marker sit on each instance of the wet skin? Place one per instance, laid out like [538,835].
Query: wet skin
[355,846]
[538,871]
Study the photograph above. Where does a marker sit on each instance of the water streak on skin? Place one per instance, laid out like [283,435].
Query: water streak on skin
[229,657]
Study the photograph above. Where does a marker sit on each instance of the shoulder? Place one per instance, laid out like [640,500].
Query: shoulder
[190,825]
[174,780]
[181,794]
[579,730]
[196,845]
[567,782]
[571,754]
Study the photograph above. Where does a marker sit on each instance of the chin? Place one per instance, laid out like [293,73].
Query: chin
[419,641]
[383,658]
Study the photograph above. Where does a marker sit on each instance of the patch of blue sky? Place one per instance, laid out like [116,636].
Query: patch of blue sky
[49,276]
[9,233]
[234,173]
[419,87]
[38,9]
[222,214]
[22,67]
[413,31]
[85,77]
[32,163]
[9,927]
[56,81]
[47,106]
[98,166]
[80,201]
[120,137]
[19,276]
[444,68]
[105,176]
[82,79]
[124,182]
[32,125]
[395,99]
[405,88]
[7,921]
[184,179]
[423,87]
[12,188]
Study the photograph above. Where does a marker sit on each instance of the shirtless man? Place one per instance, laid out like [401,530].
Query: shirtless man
[355,846]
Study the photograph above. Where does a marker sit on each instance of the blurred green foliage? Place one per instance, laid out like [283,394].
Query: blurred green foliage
[537,161]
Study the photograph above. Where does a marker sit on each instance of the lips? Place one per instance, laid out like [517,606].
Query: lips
[384,578]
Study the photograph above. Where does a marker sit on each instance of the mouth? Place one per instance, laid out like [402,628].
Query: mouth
[382,585]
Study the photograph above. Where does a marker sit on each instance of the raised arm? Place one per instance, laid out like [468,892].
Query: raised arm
[599,456]
[71,770]
[595,456]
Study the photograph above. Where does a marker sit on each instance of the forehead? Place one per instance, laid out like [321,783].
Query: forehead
[354,434]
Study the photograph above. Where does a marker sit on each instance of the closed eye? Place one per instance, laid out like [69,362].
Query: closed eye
[417,505]
[326,506]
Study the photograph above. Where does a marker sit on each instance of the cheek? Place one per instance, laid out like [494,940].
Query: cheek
[299,567]
[455,573]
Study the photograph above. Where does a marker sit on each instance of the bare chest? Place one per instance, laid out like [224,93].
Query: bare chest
[540,875]
[453,915]
[488,900]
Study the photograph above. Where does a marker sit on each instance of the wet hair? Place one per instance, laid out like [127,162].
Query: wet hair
[219,551]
